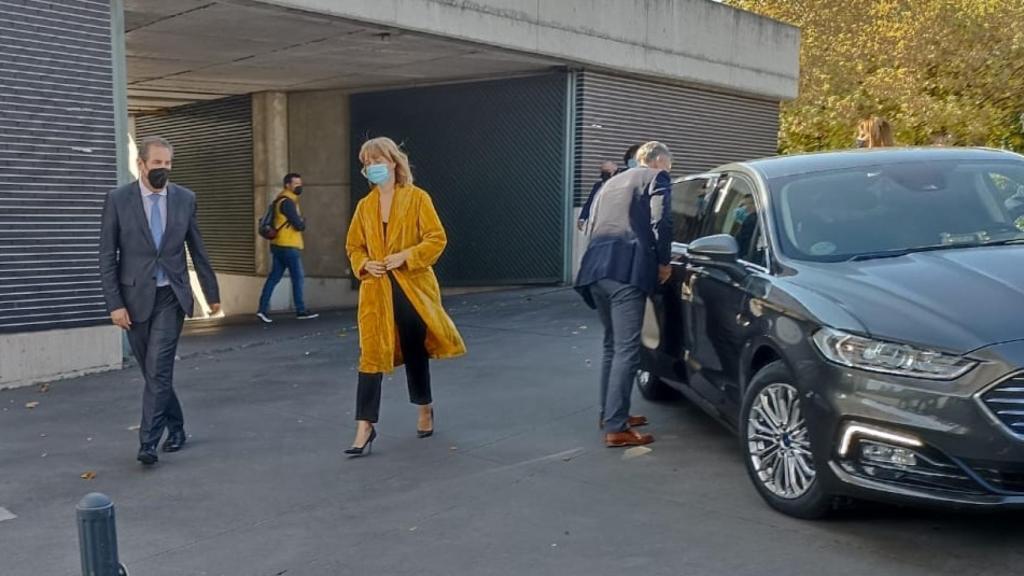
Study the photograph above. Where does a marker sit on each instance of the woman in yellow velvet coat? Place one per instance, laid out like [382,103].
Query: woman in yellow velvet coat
[393,242]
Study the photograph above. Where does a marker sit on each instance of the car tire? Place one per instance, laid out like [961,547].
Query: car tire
[654,389]
[777,447]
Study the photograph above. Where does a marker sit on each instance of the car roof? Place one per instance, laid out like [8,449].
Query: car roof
[782,166]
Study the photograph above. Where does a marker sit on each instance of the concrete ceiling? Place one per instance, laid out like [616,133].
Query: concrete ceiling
[189,50]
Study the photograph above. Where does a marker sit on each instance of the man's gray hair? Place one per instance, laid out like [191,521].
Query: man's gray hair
[650,152]
[150,141]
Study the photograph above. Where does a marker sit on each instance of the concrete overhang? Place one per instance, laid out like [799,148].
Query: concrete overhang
[700,42]
[187,50]
[184,51]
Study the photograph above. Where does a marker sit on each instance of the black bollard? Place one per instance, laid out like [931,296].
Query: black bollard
[97,536]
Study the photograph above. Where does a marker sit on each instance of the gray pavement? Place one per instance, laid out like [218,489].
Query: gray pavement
[516,480]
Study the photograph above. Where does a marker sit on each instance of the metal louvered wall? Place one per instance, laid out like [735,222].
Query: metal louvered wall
[57,161]
[492,155]
[213,158]
[704,129]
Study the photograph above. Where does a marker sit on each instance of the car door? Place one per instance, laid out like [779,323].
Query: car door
[715,306]
[690,197]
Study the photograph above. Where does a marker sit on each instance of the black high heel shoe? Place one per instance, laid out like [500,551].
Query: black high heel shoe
[427,433]
[367,446]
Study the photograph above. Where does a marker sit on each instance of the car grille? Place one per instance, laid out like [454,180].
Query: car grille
[1002,476]
[1006,401]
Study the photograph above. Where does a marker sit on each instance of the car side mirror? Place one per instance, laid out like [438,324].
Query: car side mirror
[719,251]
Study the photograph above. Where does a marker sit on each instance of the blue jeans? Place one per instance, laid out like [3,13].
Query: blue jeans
[621,308]
[289,259]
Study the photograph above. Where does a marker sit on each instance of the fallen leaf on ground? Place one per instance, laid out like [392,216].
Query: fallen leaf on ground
[636,452]
[88,476]
[31,405]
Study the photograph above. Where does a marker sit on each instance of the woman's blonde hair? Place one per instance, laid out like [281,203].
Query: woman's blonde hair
[387,148]
[877,131]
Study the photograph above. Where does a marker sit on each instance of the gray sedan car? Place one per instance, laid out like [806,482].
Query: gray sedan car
[857,318]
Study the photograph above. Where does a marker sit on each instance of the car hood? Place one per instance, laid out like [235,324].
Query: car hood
[956,300]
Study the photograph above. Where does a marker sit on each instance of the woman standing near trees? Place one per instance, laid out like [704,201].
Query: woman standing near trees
[874,132]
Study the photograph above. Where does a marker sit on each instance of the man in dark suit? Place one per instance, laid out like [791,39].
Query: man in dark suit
[627,257]
[146,226]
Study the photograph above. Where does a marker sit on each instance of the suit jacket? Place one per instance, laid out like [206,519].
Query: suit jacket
[128,256]
[630,230]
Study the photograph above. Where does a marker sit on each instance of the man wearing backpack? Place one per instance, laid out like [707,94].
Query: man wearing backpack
[284,230]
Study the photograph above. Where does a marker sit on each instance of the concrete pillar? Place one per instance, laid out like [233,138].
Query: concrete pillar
[270,159]
[319,137]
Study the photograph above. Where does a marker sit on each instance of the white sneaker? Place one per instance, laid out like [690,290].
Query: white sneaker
[266,319]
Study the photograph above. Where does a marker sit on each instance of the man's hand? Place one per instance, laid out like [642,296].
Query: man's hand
[396,260]
[121,319]
[375,268]
[664,273]
[580,224]
[214,308]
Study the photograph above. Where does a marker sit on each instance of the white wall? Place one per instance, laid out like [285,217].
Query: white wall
[35,357]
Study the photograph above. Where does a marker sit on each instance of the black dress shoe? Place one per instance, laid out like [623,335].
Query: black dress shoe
[175,441]
[147,455]
[365,449]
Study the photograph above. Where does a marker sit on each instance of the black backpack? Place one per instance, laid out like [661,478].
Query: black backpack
[265,226]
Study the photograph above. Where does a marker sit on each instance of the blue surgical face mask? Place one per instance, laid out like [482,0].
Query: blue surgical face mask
[377,173]
[631,163]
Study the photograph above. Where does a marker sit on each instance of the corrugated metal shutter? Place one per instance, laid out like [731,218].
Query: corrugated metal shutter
[57,161]
[703,129]
[213,157]
[492,155]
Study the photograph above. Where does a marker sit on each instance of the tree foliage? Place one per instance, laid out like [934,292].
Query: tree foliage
[941,71]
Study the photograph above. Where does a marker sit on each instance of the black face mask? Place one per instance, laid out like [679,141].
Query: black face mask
[605,175]
[298,190]
[157,178]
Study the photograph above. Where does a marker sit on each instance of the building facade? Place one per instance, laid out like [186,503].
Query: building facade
[507,109]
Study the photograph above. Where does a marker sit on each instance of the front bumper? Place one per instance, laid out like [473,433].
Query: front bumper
[940,442]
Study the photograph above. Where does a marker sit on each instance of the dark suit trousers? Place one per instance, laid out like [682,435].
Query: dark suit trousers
[155,343]
[412,336]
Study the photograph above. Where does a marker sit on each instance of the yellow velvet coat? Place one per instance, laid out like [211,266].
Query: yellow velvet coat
[413,224]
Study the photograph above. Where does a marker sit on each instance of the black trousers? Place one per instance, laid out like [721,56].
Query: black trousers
[154,344]
[412,336]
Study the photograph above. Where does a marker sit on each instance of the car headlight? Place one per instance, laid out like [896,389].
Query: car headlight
[889,358]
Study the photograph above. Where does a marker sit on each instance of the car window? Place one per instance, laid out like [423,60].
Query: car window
[840,214]
[735,213]
[689,206]
[1007,187]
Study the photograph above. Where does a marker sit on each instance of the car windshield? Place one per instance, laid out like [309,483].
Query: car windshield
[891,210]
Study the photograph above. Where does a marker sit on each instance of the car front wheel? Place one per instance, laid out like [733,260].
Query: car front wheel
[777,445]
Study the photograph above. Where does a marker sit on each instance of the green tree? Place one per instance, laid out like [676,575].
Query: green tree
[941,71]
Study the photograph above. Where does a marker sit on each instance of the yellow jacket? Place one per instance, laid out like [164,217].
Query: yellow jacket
[413,224]
[287,237]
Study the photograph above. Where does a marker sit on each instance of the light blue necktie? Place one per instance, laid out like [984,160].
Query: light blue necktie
[156,228]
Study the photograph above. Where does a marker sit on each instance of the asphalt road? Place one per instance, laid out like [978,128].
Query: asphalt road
[516,480]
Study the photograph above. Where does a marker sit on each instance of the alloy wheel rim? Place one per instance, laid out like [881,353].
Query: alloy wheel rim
[779,443]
